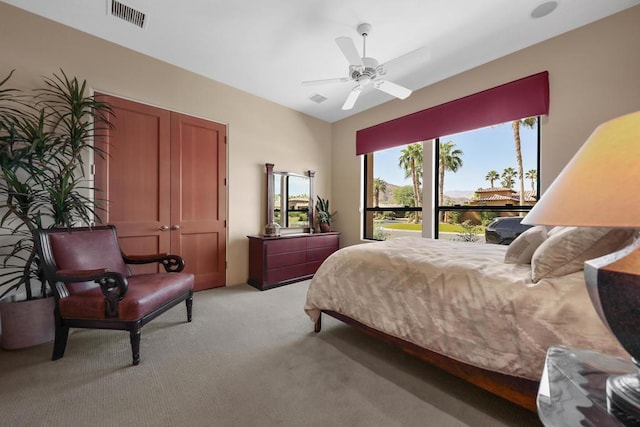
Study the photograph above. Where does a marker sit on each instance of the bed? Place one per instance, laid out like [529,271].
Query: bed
[479,311]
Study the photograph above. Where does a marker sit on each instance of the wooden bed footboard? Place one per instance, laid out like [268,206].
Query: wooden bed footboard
[518,390]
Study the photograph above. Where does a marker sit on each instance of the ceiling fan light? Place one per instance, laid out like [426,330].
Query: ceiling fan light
[364,80]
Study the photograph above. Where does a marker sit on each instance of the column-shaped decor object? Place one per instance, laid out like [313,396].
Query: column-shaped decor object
[311,174]
[272,229]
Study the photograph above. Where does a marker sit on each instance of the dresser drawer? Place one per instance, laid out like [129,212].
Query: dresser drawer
[285,245]
[319,241]
[285,259]
[312,267]
[278,275]
[319,254]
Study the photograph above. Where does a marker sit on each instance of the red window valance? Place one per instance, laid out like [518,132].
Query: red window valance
[521,98]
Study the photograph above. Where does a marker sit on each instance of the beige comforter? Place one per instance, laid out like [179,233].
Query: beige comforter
[460,300]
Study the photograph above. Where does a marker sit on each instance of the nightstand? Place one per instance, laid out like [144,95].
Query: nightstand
[573,388]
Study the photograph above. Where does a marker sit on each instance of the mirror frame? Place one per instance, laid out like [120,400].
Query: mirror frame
[273,229]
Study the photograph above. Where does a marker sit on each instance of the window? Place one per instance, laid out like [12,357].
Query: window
[474,178]
[393,192]
[483,174]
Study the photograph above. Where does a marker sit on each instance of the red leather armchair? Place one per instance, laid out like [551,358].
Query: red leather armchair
[94,288]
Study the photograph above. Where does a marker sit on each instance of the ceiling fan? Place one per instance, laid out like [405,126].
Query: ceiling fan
[364,71]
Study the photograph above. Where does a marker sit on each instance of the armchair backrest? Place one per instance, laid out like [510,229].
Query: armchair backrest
[81,249]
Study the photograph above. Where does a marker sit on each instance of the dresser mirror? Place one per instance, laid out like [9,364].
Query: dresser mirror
[289,202]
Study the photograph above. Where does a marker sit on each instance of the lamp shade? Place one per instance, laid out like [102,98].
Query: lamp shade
[599,186]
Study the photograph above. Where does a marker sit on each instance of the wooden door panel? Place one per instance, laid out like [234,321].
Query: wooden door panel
[200,252]
[133,176]
[198,179]
[129,181]
[198,211]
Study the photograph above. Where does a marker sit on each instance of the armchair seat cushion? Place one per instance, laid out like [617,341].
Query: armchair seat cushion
[146,293]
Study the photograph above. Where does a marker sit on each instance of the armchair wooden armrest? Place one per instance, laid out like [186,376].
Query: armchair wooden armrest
[112,284]
[171,263]
[79,275]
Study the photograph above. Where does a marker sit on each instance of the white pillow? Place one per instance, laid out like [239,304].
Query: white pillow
[566,250]
[554,230]
[522,248]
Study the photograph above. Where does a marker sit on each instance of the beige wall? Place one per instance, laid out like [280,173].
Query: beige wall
[259,131]
[594,74]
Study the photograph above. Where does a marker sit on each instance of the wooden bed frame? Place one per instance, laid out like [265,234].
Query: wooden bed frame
[518,390]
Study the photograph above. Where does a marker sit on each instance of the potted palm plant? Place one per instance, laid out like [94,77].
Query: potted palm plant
[323,214]
[44,138]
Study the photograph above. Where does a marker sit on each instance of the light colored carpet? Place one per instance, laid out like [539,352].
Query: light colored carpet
[249,358]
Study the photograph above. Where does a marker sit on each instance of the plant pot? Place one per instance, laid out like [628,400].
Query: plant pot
[324,227]
[27,323]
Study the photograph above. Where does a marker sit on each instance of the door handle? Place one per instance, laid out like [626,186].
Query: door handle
[175,227]
[164,228]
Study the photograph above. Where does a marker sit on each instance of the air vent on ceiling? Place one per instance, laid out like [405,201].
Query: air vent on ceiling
[127,13]
[317,98]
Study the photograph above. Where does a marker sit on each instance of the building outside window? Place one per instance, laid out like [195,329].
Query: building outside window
[472,176]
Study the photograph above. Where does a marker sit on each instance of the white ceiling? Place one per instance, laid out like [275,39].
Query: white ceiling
[268,47]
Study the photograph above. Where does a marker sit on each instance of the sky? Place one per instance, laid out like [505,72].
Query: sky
[490,148]
[298,185]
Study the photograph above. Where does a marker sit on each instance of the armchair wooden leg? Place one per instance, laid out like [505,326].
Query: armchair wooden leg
[318,324]
[134,337]
[189,303]
[60,343]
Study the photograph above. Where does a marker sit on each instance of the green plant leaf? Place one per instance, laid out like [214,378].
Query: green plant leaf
[44,135]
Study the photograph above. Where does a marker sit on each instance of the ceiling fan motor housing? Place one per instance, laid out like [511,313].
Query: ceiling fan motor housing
[366,74]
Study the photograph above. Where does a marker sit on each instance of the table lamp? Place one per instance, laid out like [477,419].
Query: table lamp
[598,188]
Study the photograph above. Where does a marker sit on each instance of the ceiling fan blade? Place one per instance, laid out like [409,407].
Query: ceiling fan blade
[325,81]
[352,98]
[349,51]
[392,89]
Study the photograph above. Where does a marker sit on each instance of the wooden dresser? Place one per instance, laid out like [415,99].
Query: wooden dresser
[277,261]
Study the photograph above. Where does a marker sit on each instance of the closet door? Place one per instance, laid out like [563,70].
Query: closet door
[133,176]
[164,176]
[198,202]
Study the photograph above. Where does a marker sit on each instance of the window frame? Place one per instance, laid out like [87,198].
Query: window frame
[435,211]
[368,159]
